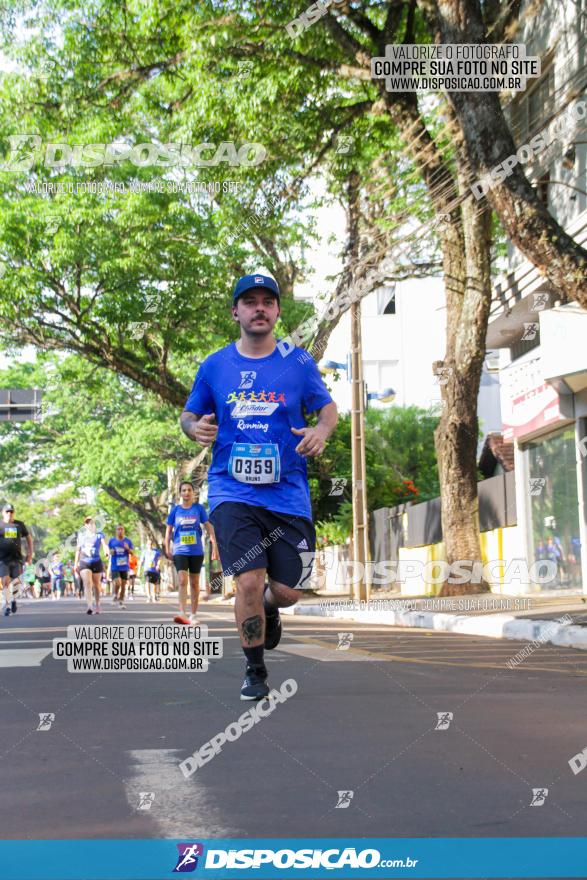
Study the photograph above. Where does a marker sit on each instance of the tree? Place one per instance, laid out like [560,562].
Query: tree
[355,35]
[488,141]
[81,270]
[98,431]
[324,90]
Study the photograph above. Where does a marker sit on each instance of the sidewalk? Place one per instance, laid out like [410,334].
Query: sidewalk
[555,617]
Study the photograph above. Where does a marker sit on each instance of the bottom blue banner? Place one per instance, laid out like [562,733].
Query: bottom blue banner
[276,858]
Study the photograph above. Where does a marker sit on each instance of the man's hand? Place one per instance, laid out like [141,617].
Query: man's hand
[313,443]
[203,431]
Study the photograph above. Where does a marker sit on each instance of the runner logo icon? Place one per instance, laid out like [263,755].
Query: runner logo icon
[247,377]
[187,859]
[46,719]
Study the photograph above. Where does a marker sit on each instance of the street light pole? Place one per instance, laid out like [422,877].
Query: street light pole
[360,512]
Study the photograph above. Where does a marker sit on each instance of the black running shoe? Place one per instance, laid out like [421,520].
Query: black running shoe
[272,628]
[89,611]
[7,611]
[13,606]
[255,683]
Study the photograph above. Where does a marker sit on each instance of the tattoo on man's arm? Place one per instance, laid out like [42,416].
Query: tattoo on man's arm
[252,629]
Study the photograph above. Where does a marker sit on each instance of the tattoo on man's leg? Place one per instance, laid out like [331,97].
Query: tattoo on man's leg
[252,628]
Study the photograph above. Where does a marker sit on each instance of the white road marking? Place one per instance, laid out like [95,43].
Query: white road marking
[181,807]
[11,657]
[328,655]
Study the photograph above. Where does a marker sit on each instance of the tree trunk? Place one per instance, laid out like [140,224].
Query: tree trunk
[468,263]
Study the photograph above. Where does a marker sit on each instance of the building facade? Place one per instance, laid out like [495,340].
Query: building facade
[542,339]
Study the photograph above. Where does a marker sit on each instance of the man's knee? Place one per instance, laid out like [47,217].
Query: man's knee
[249,584]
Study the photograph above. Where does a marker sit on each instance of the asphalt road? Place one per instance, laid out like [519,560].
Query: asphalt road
[363,720]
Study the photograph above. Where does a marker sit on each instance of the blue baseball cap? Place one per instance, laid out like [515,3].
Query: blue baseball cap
[250,282]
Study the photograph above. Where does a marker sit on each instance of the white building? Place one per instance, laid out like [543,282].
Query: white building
[404,333]
[403,329]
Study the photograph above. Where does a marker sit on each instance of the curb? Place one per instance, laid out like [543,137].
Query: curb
[493,626]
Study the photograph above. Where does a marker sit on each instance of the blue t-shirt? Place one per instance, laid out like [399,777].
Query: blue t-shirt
[119,548]
[150,558]
[187,532]
[89,544]
[257,401]
[57,570]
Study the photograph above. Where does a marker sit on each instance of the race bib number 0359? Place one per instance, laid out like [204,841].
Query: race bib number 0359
[255,463]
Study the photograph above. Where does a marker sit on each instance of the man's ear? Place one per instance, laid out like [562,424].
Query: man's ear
[234,313]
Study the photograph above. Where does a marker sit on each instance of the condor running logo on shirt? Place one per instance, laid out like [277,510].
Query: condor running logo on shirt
[251,403]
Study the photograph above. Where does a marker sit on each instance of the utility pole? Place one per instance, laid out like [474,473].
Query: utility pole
[360,511]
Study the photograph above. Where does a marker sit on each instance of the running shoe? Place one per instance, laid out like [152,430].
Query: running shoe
[121,605]
[13,606]
[194,620]
[89,611]
[7,611]
[272,628]
[255,683]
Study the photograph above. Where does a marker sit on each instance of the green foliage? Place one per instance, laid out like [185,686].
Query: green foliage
[80,268]
[98,432]
[53,522]
[400,464]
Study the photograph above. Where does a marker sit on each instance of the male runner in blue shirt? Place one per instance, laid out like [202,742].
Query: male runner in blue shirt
[119,548]
[256,391]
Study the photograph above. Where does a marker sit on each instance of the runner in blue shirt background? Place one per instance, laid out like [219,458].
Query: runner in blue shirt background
[57,577]
[149,564]
[183,543]
[88,563]
[119,564]
[249,400]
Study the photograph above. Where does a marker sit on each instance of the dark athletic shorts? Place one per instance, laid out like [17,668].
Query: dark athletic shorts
[153,576]
[11,568]
[94,567]
[248,538]
[193,564]
[123,575]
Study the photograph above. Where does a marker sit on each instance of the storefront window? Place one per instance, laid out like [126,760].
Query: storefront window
[554,506]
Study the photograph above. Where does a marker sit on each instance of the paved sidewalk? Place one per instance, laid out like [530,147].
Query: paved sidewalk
[557,617]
